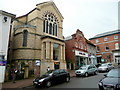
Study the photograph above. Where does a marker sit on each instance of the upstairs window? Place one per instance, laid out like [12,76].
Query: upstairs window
[107,48]
[98,49]
[97,40]
[81,45]
[56,51]
[115,37]
[25,36]
[76,44]
[105,39]
[116,45]
[50,24]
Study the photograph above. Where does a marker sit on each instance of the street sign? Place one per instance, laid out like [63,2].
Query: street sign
[2,70]
[2,63]
[37,62]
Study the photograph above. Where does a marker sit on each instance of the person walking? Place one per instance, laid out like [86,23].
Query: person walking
[48,69]
[14,72]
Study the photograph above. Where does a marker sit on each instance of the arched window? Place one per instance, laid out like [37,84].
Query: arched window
[50,28]
[25,36]
[50,24]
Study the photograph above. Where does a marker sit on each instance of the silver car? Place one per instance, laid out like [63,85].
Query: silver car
[86,70]
[105,67]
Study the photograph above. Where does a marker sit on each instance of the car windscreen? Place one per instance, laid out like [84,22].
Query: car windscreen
[49,72]
[113,73]
[103,64]
[83,68]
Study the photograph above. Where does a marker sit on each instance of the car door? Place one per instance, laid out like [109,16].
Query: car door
[89,70]
[94,69]
[110,66]
[62,75]
[56,76]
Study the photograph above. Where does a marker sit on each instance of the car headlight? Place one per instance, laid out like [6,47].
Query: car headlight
[118,86]
[100,83]
[41,80]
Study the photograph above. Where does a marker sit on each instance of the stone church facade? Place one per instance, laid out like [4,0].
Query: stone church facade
[37,40]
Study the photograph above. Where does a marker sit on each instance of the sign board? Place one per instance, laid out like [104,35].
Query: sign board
[37,62]
[2,63]
[80,53]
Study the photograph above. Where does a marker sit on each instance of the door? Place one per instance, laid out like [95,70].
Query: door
[56,65]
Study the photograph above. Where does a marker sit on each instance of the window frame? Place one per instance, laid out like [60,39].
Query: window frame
[25,38]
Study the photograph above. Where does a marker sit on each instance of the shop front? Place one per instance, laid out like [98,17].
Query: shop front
[116,56]
[81,58]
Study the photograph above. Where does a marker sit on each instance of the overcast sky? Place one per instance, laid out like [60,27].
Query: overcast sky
[90,16]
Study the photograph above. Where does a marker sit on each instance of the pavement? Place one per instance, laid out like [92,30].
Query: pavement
[26,82]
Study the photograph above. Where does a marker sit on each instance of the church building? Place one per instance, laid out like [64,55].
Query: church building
[37,40]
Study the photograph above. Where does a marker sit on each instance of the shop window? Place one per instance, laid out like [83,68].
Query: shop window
[25,36]
[56,51]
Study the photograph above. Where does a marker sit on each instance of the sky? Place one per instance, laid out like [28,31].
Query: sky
[92,17]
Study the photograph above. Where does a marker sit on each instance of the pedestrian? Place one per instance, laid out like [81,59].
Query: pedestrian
[14,72]
[48,69]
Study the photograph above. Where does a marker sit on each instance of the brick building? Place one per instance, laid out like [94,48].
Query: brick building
[76,50]
[38,41]
[107,44]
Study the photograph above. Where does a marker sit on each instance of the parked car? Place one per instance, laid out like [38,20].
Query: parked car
[98,64]
[86,70]
[52,77]
[105,67]
[111,81]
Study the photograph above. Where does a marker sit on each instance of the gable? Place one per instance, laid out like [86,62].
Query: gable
[49,7]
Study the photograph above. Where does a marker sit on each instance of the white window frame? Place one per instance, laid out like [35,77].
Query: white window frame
[105,39]
[97,40]
[115,37]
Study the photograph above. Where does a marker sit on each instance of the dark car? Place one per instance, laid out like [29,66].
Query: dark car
[111,81]
[52,77]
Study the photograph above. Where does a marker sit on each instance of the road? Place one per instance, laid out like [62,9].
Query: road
[80,82]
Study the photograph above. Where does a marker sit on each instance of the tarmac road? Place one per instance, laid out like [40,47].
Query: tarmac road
[79,82]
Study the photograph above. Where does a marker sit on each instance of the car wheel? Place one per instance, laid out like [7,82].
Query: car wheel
[86,74]
[107,69]
[101,88]
[67,79]
[48,83]
[36,86]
